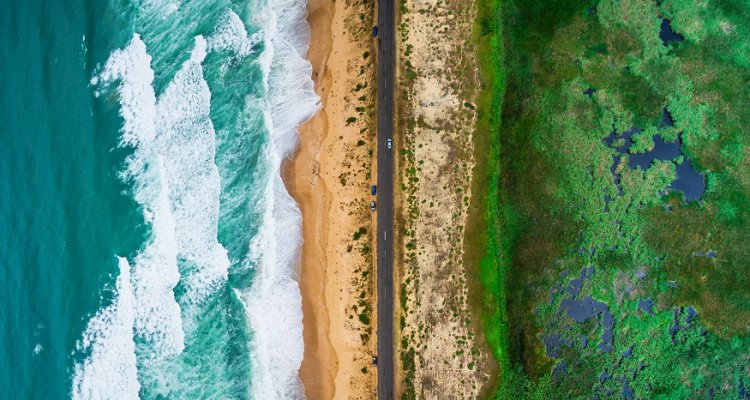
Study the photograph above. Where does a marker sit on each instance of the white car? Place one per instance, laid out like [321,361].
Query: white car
[389,143]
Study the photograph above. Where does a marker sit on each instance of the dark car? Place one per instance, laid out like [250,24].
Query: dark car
[374,31]
[373,190]
[372,206]
[374,360]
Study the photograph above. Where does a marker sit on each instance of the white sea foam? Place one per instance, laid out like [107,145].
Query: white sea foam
[177,183]
[131,69]
[110,370]
[231,35]
[144,303]
[273,303]
[186,140]
[157,316]
[156,274]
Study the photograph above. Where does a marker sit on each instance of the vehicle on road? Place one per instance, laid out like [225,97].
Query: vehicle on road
[389,143]
[375,31]
[372,206]
[374,360]
[373,190]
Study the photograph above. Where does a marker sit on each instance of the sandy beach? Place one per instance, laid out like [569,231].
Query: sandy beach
[329,177]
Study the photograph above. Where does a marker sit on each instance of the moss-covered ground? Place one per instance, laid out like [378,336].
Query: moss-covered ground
[559,77]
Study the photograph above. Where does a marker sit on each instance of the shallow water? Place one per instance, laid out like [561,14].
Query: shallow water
[581,311]
[646,305]
[689,181]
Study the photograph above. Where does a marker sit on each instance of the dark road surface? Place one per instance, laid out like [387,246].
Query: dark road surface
[386,68]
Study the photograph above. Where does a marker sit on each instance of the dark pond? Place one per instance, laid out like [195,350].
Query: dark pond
[627,392]
[554,343]
[574,287]
[690,315]
[604,376]
[666,118]
[581,311]
[709,254]
[667,35]
[646,305]
[689,181]
[742,392]
[586,308]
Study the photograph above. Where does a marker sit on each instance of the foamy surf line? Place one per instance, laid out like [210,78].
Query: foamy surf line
[274,303]
[109,339]
[176,181]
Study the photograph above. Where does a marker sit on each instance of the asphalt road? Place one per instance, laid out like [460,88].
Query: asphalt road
[386,75]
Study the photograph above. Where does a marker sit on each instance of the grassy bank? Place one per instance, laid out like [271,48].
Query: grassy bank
[483,238]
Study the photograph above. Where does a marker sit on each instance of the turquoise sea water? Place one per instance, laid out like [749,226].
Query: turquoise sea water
[148,247]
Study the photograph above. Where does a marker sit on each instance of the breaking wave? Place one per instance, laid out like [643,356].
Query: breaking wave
[164,292]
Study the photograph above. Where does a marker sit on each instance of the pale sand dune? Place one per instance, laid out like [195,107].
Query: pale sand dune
[449,360]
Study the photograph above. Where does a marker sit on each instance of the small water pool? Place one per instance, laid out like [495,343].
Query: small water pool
[667,35]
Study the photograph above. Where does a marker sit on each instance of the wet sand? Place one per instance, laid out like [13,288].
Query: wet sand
[301,175]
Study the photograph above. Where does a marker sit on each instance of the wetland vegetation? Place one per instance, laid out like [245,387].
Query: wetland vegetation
[614,254]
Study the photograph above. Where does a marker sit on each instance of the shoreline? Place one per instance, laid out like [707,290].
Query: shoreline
[301,177]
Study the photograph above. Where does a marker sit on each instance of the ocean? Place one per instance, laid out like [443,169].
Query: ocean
[148,246]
